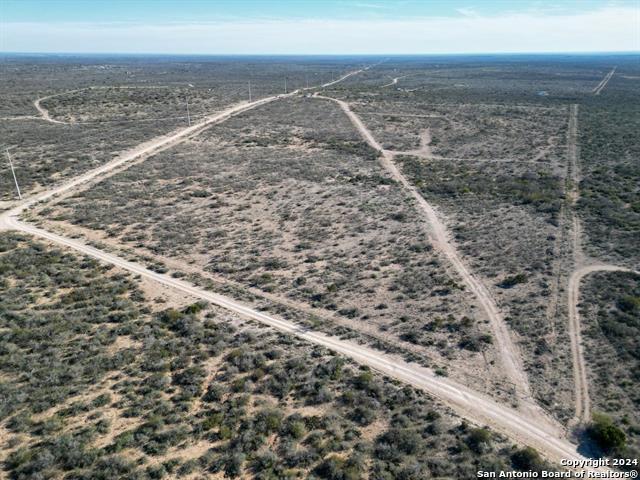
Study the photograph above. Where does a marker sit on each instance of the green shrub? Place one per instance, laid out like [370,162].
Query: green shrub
[525,459]
[479,439]
[609,437]
[336,468]
[513,280]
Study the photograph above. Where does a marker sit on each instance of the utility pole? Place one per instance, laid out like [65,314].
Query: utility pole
[285,85]
[306,77]
[188,116]
[249,91]
[14,174]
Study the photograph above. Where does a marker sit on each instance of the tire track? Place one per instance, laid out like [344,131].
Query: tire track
[440,239]
[603,83]
[582,267]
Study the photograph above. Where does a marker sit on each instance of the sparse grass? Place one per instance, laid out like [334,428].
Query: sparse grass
[298,207]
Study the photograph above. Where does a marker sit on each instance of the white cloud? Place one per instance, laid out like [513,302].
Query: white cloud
[467,12]
[607,29]
[372,5]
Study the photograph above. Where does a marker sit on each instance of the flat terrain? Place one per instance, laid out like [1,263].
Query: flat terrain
[299,209]
[491,148]
[464,225]
[127,384]
[63,118]
[610,308]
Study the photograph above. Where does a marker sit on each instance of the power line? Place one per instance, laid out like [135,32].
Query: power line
[14,173]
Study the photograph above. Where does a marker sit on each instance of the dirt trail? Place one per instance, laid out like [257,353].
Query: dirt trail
[580,381]
[603,83]
[393,82]
[88,236]
[401,115]
[146,149]
[536,431]
[440,239]
[20,117]
[544,435]
[582,267]
[338,80]
[44,113]
[574,165]
[425,147]
[583,402]
[153,146]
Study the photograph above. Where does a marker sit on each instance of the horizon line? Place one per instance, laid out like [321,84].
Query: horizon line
[328,54]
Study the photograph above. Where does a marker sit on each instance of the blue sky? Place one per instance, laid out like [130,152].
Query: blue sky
[48,11]
[319,26]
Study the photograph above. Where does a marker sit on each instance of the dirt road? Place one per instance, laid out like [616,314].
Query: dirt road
[541,433]
[146,149]
[572,151]
[44,113]
[582,267]
[440,239]
[393,82]
[583,402]
[155,145]
[547,436]
[340,79]
[603,83]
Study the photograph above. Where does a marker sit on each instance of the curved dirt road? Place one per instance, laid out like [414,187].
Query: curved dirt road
[157,144]
[44,113]
[543,434]
[440,239]
[146,149]
[583,403]
[46,116]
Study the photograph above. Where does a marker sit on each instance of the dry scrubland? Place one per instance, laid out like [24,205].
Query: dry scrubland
[461,132]
[113,104]
[609,151]
[99,124]
[101,382]
[289,201]
[497,174]
[611,317]
[45,153]
[286,201]
[490,79]
[286,208]
[27,78]
[487,144]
